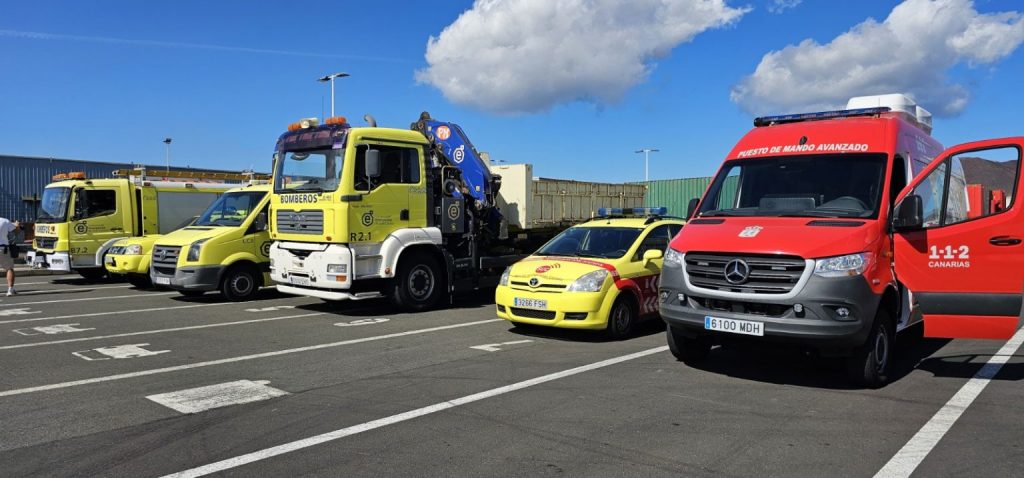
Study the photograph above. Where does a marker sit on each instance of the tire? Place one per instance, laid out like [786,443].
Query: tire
[192,293]
[418,285]
[240,283]
[140,281]
[689,350]
[870,363]
[92,274]
[621,319]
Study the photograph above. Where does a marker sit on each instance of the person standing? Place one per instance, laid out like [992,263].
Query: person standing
[8,250]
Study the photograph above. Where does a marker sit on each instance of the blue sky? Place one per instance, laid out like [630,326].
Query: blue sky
[110,80]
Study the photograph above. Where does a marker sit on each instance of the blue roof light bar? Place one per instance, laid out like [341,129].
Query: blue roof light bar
[821,115]
[634,211]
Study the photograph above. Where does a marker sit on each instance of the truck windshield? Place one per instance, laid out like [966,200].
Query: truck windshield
[309,171]
[231,209]
[846,185]
[599,242]
[54,205]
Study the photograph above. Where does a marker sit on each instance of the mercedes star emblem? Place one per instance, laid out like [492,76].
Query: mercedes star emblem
[737,271]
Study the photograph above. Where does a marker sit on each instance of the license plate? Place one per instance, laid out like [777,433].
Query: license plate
[57,261]
[163,280]
[298,280]
[734,326]
[530,303]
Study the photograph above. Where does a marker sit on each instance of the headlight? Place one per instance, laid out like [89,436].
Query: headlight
[842,266]
[193,250]
[337,268]
[133,250]
[504,277]
[589,282]
[673,258]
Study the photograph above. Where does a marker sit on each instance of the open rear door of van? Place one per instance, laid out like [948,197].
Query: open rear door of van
[959,241]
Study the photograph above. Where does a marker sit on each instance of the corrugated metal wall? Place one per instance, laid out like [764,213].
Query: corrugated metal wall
[23,177]
[675,194]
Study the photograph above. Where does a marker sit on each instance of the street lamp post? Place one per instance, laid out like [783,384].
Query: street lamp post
[167,157]
[647,156]
[331,78]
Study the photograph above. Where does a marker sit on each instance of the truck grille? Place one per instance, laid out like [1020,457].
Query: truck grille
[300,222]
[165,259]
[767,274]
[46,242]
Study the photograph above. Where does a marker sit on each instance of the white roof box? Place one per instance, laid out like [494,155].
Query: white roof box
[898,103]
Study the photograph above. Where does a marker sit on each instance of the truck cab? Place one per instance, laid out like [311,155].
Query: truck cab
[226,249]
[791,242]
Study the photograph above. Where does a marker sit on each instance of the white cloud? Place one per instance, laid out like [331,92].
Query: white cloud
[519,56]
[779,6]
[911,51]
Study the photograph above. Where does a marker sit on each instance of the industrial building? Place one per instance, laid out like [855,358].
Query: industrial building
[23,178]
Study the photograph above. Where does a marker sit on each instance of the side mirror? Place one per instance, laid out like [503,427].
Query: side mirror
[908,214]
[652,254]
[261,221]
[372,163]
[692,207]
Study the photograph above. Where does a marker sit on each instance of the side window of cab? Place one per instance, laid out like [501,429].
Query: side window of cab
[398,165]
[969,186]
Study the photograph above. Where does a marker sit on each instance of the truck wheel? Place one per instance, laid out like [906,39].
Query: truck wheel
[869,365]
[240,283]
[689,350]
[621,319]
[418,284]
[92,274]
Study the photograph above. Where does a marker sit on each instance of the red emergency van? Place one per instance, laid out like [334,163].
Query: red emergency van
[835,230]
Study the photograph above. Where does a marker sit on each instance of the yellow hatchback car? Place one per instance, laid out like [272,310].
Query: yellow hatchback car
[599,275]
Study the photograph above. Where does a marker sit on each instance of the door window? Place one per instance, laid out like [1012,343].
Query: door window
[94,203]
[658,239]
[398,165]
[969,185]
[981,183]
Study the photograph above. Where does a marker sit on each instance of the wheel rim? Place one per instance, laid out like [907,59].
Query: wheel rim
[881,349]
[421,282]
[620,318]
[241,284]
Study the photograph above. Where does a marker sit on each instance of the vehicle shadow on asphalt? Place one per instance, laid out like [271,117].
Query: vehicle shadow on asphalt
[966,365]
[383,306]
[779,364]
[644,328]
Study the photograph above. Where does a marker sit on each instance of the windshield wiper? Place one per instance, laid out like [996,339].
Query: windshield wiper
[584,254]
[726,212]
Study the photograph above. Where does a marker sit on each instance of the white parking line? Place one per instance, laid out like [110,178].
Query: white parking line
[85,299]
[201,399]
[143,373]
[75,288]
[117,312]
[401,417]
[921,444]
[158,331]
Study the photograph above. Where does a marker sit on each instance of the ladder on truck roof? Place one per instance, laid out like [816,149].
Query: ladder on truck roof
[141,174]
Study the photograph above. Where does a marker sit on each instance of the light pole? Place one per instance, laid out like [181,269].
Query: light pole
[167,157]
[647,156]
[331,78]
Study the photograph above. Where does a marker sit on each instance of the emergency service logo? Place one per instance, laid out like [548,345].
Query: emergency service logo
[265,248]
[81,228]
[751,231]
[367,219]
[545,268]
[453,211]
[459,154]
[443,133]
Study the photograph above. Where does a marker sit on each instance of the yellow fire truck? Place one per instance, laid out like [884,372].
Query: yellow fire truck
[81,218]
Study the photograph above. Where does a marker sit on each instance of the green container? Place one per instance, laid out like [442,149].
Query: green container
[675,194]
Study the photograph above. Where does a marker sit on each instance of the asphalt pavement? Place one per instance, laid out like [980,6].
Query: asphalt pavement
[105,379]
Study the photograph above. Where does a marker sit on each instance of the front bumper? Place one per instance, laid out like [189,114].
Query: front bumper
[126,264]
[301,269]
[819,325]
[570,310]
[55,261]
[198,278]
